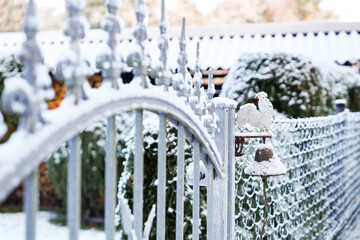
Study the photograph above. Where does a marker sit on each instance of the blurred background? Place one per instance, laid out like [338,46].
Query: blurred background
[198,12]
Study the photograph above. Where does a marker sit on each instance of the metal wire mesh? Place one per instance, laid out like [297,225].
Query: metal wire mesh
[318,197]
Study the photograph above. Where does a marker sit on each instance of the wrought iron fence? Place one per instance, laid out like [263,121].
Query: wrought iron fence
[318,197]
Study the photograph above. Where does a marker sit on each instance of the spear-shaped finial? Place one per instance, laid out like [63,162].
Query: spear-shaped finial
[141,11]
[112,4]
[198,102]
[139,59]
[27,94]
[109,61]
[182,83]
[197,76]
[182,35]
[163,21]
[30,54]
[211,119]
[197,63]
[74,70]
[183,58]
[161,73]
[211,86]
[31,22]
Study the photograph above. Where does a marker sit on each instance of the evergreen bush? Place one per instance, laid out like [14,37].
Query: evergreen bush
[92,168]
[343,82]
[9,66]
[293,84]
[150,180]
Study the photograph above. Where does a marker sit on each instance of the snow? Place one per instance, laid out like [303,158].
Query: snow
[3,127]
[224,102]
[253,134]
[355,233]
[12,226]
[114,3]
[340,101]
[273,167]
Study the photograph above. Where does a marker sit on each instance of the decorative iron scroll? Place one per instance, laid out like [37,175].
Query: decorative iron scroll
[74,68]
[110,62]
[26,95]
[162,72]
[140,59]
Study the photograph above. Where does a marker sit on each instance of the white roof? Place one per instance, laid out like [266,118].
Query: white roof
[220,46]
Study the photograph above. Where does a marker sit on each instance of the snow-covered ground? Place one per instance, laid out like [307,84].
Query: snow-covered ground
[12,227]
[355,233]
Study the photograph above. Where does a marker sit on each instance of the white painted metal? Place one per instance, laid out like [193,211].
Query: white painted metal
[104,102]
[74,188]
[161,188]
[230,173]
[209,209]
[110,178]
[180,183]
[196,191]
[219,192]
[31,203]
[138,174]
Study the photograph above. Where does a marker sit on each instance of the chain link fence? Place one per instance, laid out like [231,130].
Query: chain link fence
[319,196]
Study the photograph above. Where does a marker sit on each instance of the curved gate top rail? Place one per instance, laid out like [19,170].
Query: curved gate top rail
[69,119]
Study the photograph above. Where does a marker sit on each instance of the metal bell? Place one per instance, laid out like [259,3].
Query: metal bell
[266,163]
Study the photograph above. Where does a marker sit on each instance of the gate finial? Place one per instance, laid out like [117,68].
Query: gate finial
[198,102]
[74,69]
[211,86]
[182,83]
[162,73]
[163,21]
[211,119]
[110,62]
[139,59]
[27,95]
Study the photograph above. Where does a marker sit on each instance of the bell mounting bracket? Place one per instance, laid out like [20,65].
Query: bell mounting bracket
[240,140]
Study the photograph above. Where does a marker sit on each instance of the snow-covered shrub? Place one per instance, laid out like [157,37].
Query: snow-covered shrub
[92,165]
[343,82]
[9,66]
[293,83]
[151,128]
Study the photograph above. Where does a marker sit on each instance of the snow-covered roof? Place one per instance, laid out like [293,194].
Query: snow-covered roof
[221,45]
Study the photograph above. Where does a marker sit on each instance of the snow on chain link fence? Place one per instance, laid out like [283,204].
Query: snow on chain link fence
[318,197]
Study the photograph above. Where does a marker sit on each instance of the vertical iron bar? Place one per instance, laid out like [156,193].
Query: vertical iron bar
[219,191]
[231,174]
[110,178]
[31,203]
[209,187]
[74,188]
[138,174]
[180,183]
[196,190]
[161,188]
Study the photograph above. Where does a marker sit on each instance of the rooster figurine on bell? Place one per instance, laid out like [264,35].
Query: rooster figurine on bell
[266,163]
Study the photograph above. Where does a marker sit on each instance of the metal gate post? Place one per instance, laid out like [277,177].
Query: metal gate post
[222,192]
